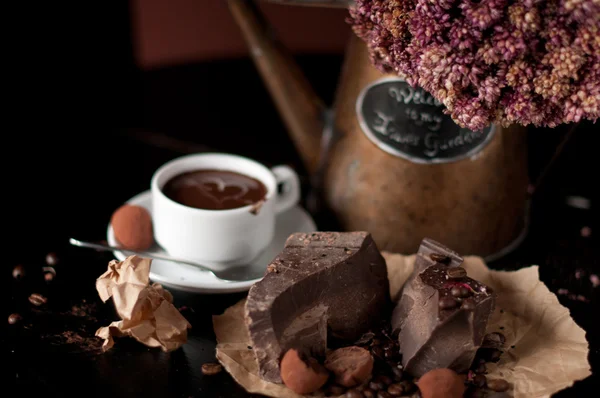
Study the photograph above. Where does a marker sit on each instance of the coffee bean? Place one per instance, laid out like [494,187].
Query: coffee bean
[474,392]
[498,395]
[14,319]
[368,393]
[48,277]
[493,340]
[456,273]
[498,385]
[390,354]
[460,291]
[51,259]
[447,303]
[439,258]
[398,373]
[18,272]
[385,380]
[376,385]
[354,394]
[211,369]
[495,355]
[479,381]
[407,386]
[395,390]
[468,305]
[480,368]
[335,390]
[365,339]
[37,299]
[388,345]
[383,394]
[377,351]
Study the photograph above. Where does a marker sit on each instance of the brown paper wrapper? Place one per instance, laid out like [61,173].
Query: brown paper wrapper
[550,351]
[146,311]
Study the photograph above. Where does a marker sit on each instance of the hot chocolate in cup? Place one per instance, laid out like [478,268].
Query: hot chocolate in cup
[236,202]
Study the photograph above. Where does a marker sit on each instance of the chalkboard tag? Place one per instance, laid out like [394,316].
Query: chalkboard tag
[410,123]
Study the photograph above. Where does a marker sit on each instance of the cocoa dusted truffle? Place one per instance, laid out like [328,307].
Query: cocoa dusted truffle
[321,283]
[442,314]
[302,374]
[132,226]
[441,383]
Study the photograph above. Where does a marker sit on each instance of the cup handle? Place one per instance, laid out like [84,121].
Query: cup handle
[291,188]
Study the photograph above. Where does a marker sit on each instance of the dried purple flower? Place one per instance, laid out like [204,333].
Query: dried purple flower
[505,61]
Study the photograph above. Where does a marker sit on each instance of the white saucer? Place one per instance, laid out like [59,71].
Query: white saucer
[186,278]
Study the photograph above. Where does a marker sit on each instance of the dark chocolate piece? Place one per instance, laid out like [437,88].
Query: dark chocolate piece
[321,283]
[437,329]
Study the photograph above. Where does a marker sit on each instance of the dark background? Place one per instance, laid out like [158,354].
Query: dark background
[84,129]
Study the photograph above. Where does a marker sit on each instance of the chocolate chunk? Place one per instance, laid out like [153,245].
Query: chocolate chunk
[327,282]
[431,333]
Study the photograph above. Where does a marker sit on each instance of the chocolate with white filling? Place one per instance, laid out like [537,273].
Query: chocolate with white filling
[442,314]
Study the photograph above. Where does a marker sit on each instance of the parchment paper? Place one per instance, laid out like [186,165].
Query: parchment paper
[550,350]
[146,311]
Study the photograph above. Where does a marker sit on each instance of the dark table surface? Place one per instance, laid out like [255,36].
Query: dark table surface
[66,183]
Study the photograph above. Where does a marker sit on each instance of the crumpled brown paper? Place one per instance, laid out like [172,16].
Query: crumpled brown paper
[146,311]
[550,351]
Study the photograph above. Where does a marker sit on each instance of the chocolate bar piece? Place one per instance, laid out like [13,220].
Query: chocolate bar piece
[442,314]
[324,284]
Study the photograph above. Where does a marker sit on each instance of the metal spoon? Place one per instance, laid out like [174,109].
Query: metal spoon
[234,274]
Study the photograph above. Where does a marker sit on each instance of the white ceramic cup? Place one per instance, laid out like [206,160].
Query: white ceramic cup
[220,237]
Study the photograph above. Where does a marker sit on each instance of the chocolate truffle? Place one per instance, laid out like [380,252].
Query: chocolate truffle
[132,226]
[435,328]
[321,283]
[302,375]
[441,383]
